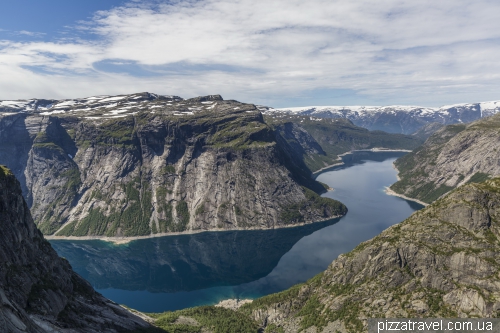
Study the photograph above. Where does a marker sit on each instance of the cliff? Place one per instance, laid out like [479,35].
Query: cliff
[157,165]
[39,292]
[454,155]
[440,262]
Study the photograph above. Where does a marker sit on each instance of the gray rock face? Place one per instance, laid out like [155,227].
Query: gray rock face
[452,156]
[171,165]
[39,292]
[440,262]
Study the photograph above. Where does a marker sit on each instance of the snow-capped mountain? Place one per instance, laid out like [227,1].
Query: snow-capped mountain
[396,118]
[95,106]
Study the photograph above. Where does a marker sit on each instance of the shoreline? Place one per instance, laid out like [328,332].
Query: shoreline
[388,191]
[126,240]
[375,150]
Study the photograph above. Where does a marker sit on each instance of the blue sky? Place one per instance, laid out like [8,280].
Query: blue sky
[275,52]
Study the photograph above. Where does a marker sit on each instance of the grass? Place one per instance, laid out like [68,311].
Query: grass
[4,171]
[293,213]
[214,319]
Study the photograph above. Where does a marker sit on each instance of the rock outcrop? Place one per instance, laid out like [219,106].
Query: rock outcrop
[452,156]
[39,292]
[443,261]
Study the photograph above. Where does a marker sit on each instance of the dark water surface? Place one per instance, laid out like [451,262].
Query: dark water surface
[175,272]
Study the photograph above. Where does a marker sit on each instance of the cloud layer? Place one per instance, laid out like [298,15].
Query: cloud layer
[271,52]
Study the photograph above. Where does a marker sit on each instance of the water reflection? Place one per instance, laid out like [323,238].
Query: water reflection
[176,272]
[185,262]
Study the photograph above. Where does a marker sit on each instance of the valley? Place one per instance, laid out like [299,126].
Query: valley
[175,272]
[145,165]
[255,206]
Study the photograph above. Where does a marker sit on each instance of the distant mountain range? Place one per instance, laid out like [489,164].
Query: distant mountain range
[393,119]
[396,118]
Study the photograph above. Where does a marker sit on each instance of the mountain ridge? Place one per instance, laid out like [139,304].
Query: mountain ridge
[452,156]
[396,118]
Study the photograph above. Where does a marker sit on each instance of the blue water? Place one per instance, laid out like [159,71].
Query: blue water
[175,272]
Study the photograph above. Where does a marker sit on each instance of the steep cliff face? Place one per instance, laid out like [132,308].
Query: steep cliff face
[440,262]
[169,166]
[39,292]
[452,156]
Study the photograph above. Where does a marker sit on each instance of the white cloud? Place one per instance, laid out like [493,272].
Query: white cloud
[30,33]
[393,51]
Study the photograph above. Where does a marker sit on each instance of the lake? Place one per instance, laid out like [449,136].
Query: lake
[175,272]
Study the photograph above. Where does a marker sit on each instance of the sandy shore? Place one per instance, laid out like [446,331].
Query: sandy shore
[391,192]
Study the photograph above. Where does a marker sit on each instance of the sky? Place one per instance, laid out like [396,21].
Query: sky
[279,53]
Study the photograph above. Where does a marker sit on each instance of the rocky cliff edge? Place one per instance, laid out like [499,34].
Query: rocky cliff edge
[39,292]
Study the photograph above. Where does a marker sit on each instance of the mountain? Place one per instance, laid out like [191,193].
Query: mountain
[143,164]
[39,292]
[424,132]
[320,142]
[396,118]
[443,261]
[452,156]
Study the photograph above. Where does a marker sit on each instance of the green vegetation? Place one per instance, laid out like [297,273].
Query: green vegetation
[168,169]
[133,220]
[182,211]
[274,329]
[417,168]
[242,131]
[264,302]
[4,171]
[73,179]
[117,132]
[338,136]
[200,210]
[214,319]
[479,177]
[327,207]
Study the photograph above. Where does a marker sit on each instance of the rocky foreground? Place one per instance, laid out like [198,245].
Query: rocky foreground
[443,261]
[39,292]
